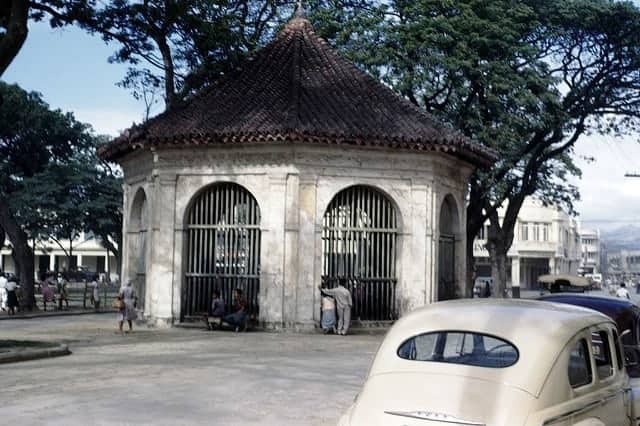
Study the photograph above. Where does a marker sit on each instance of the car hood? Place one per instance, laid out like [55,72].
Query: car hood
[418,399]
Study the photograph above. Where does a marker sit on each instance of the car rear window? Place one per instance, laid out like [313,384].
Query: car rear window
[459,347]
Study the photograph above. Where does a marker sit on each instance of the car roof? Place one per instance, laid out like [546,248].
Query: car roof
[539,330]
[588,298]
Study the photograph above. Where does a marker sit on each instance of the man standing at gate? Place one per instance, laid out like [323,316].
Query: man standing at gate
[343,305]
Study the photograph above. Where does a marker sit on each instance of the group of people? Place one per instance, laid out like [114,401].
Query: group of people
[216,316]
[336,310]
[8,295]
[50,286]
[336,302]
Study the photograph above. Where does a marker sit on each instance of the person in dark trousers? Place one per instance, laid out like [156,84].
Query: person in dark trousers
[343,300]
[238,319]
[216,311]
[487,290]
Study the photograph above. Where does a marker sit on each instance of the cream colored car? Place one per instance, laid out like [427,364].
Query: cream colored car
[498,363]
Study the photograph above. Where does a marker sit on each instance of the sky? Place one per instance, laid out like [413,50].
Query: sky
[70,69]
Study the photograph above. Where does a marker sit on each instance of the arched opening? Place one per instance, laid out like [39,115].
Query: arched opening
[223,248]
[449,229]
[138,226]
[359,243]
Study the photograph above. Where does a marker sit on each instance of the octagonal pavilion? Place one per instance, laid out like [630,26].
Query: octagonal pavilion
[297,171]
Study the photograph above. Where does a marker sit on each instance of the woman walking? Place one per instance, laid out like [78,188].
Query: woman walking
[128,296]
[12,297]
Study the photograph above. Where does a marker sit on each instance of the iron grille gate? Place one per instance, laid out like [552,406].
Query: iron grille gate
[359,248]
[446,267]
[223,243]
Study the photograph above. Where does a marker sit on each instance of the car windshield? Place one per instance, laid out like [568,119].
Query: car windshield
[459,347]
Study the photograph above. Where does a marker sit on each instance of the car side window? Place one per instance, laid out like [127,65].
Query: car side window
[580,365]
[602,354]
[617,343]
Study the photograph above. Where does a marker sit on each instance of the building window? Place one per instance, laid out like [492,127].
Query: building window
[536,232]
[524,231]
[545,232]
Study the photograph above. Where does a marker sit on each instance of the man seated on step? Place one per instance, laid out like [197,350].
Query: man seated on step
[216,311]
[238,319]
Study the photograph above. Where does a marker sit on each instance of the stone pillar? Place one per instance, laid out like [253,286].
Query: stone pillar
[52,262]
[431,243]
[272,258]
[307,305]
[415,289]
[159,269]
[78,260]
[291,241]
[515,277]
[552,265]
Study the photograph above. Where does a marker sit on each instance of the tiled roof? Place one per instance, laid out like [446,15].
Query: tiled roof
[297,89]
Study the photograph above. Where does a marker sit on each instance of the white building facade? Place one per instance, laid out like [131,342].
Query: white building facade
[547,241]
[50,257]
[590,252]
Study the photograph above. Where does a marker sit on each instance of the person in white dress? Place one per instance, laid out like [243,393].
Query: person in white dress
[128,295]
[3,292]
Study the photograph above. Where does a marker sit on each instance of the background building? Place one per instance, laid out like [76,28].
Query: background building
[624,266]
[591,252]
[87,253]
[546,241]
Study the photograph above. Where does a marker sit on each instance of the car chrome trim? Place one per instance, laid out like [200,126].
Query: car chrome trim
[433,416]
[583,409]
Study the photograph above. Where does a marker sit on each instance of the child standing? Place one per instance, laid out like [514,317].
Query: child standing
[328,318]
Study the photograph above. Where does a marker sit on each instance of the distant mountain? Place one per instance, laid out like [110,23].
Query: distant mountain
[624,238]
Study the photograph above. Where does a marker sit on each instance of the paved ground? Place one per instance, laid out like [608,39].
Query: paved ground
[180,376]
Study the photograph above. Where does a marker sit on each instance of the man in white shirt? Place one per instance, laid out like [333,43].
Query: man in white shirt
[3,292]
[342,297]
[622,292]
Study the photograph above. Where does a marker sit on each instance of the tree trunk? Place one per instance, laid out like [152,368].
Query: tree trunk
[16,33]
[471,268]
[169,71]
[498,258]
[498,245]
[23,254]
[70,254]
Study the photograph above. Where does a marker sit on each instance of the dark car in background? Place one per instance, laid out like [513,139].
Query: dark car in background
[624,312]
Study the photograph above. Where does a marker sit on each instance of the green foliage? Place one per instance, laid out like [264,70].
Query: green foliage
[181,46]
[525,78]
[54,184]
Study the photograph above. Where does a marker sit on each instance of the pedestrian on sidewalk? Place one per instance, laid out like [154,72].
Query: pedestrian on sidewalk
[343,300]
[130,299]
[63,292]
[3,292]
[47,294]
[12,296]
[622,292]
[95,288]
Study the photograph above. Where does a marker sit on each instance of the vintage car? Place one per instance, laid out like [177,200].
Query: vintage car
[498,363]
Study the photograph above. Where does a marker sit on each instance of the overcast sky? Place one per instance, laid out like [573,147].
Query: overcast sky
[70,69]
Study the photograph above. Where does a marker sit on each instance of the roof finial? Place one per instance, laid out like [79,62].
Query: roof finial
[300,10]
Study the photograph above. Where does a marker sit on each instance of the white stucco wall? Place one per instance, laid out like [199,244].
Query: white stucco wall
[293,186]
